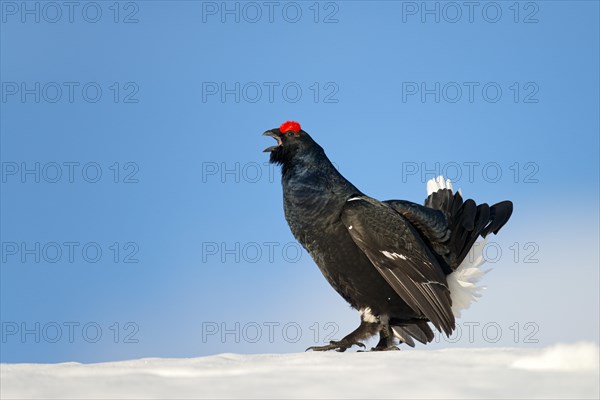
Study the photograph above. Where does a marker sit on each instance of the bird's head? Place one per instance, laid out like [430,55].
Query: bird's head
[292,144]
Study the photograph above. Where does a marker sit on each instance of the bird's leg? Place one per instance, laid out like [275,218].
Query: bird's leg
[386,339]
[364,331]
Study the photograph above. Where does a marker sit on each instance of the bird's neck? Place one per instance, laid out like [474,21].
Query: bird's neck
[305,164]
[313,173]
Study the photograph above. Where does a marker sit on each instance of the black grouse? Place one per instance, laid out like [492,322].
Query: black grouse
[401,264]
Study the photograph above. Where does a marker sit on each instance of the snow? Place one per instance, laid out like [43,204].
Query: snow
[559,371]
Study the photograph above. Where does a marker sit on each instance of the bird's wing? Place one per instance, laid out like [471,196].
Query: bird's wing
[432,218]
[432,223]
[399,254]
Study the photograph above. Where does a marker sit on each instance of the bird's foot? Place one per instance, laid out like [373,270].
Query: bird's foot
[389,348]
[340,346]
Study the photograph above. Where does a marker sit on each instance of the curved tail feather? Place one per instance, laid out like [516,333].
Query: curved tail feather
[466,220]
[418,330]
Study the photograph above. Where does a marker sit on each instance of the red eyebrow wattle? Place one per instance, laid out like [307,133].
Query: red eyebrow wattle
[290,126]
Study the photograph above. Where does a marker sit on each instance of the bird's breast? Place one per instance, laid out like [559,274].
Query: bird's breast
[310,214]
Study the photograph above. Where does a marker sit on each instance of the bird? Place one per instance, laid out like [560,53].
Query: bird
[404,266]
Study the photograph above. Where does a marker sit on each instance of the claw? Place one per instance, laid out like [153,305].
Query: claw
[340,346]
[389,348]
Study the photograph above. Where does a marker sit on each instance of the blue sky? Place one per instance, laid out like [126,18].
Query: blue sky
[143,138]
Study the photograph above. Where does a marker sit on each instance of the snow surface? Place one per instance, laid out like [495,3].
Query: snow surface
[559,371]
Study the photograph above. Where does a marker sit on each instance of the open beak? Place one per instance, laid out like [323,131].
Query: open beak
[275,136]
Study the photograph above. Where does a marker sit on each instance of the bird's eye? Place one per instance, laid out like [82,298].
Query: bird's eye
[290,133]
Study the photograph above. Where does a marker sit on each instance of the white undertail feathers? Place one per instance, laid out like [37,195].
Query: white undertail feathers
[462,283]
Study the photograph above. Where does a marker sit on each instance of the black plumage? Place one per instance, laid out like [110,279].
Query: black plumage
[389,260]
